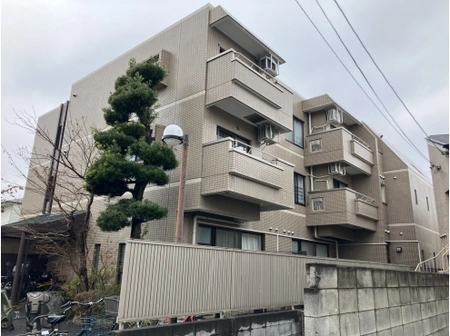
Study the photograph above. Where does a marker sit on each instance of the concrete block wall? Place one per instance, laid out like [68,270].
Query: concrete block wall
[283,323]
[363,301]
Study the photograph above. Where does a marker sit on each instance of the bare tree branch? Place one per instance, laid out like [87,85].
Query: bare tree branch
[72,156]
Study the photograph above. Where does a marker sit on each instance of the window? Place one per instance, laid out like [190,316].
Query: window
[317,204]
[338,184]
[415,195]
[383,193]
[315,145]
[120,260]
[218,236]
[96,256]
[309,248]
[296,136]
[428,205]
[299,189]
[240,145]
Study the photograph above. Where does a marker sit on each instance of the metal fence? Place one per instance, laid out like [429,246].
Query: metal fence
[167,280]
[437,264]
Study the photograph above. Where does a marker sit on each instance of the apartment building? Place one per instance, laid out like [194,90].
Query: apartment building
[438,151]
[267,168]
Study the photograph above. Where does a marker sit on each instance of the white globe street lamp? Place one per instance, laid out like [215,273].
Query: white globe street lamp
[173,136]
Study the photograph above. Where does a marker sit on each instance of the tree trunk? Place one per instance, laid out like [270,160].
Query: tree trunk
[83,272]
[135,229]
[82,241]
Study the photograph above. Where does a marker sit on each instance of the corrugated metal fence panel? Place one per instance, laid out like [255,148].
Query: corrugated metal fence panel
[172,280]
[263,280]
[165,280]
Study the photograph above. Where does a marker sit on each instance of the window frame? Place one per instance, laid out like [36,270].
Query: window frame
[213,237]
[340,183]
[234,136]
[295,189]
[292,141]
[311,142]
[299,247]
[321,199]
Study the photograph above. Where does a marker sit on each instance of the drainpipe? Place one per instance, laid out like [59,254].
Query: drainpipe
[278,248]
[194,232]
[16,281]
[24,269]
[58,143]
[311,178]
[329,240]
[420,252]
[309,123]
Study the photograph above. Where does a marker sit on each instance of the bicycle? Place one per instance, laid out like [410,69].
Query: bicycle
[95,325]
[53,320]
[42,282]
[43,286]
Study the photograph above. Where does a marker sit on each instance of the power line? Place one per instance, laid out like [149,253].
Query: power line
[351,75]
[367,81]
[382,74]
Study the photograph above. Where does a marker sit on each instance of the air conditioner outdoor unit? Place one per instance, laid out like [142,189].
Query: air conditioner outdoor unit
[334,116]
[337,168]
[269,64]
[268,134]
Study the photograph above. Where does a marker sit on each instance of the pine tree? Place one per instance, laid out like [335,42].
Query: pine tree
[129,158]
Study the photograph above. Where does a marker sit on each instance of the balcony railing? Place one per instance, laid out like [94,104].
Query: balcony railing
[253,151]
[255,67]
[339,145]
[237,170]
[240,87]
[342,206]
[364,198]
[360,141]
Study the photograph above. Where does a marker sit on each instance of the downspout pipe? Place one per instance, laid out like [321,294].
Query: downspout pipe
[309,123]
[328,240]
[194,231]
[17,274]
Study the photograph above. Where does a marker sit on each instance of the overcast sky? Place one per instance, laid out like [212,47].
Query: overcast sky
[48,45]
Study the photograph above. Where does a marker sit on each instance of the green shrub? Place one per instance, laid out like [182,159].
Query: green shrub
[101,283]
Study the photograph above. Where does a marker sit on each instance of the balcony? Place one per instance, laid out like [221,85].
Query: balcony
[339,145]
[238,86]
[344,207]
[237,170]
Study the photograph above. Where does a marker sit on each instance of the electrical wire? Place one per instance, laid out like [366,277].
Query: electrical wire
[368,82]
[382,74]
[351,75]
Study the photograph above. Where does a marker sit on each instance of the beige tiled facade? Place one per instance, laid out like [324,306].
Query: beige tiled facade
[214,82]
[439,158]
